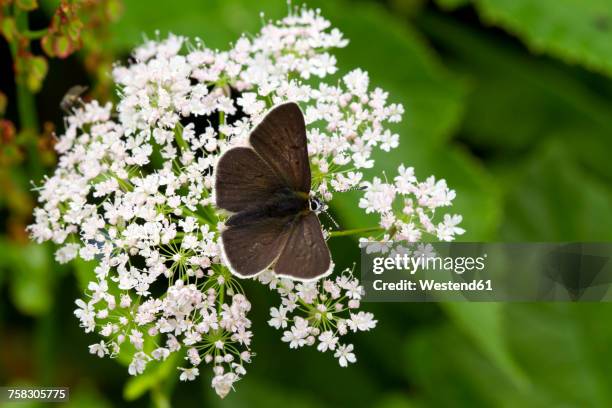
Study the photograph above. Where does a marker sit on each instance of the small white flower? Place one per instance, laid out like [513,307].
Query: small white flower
[138,364]
[223,384]
[99,349]
[361,321]
[345,355]
[160,353]
[279,317]
[188,374]
[327,341]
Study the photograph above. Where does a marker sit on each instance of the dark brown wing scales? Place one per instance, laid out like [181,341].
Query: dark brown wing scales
[280,139]
[305,255]
[252,247]
[243,180]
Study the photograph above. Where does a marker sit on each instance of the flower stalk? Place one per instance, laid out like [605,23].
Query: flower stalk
[355,231]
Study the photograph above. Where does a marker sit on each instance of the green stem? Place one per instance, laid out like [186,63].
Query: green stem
[35,34]
[356,231]
[26,106]
[25,100]
[158,397]
[221,300]
[196,215]
[221,123]
[178,136]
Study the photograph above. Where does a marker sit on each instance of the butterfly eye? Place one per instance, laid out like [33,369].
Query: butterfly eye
[315,205]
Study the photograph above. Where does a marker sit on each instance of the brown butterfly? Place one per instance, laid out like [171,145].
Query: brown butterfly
[267,187]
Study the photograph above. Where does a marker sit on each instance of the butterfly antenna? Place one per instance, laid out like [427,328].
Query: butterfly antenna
[331,219]
[346,190]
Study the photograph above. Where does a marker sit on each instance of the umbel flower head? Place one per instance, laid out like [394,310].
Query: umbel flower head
[133,193]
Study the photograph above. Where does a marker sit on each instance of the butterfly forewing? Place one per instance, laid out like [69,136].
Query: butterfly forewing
[244,180]
[305,255]
[280,139]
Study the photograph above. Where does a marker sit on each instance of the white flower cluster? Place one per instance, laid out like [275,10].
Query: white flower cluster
[407,208]
[132,193]
[328,311]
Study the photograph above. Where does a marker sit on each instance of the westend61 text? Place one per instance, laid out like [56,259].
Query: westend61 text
[431,285]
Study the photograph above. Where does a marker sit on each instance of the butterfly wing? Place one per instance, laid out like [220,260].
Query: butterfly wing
[251,247]
[305,256]
[244,180]
[280,140]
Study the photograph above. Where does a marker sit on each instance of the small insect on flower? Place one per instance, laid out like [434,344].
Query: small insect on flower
[72,97]
[267,185]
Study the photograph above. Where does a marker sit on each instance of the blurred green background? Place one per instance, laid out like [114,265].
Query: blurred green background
[509,100]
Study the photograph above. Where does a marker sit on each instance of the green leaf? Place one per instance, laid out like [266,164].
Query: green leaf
[31,280]
[8,28]
[552,199]
[452,4]
[84,271]
[3,103]
[217,22]
[36,72]
[483,323]
[443,357]
[517,101]
[579,32]
[567,340]
[113,9]
[562,349]
[27,5]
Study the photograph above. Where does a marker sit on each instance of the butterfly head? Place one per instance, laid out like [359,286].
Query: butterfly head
[316,205]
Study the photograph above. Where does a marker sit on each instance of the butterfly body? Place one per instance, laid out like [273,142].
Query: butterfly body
[283,203]
[267,188]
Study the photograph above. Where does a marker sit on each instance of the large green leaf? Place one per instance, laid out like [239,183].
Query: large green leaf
[516,101]
[449,371]
[577,31]
[552,199]
[217,22]
[483,323]
[562,349]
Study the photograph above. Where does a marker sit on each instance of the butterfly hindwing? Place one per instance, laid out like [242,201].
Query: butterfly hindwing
[305,256]
[280,139]
[244,180]
[251,247]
